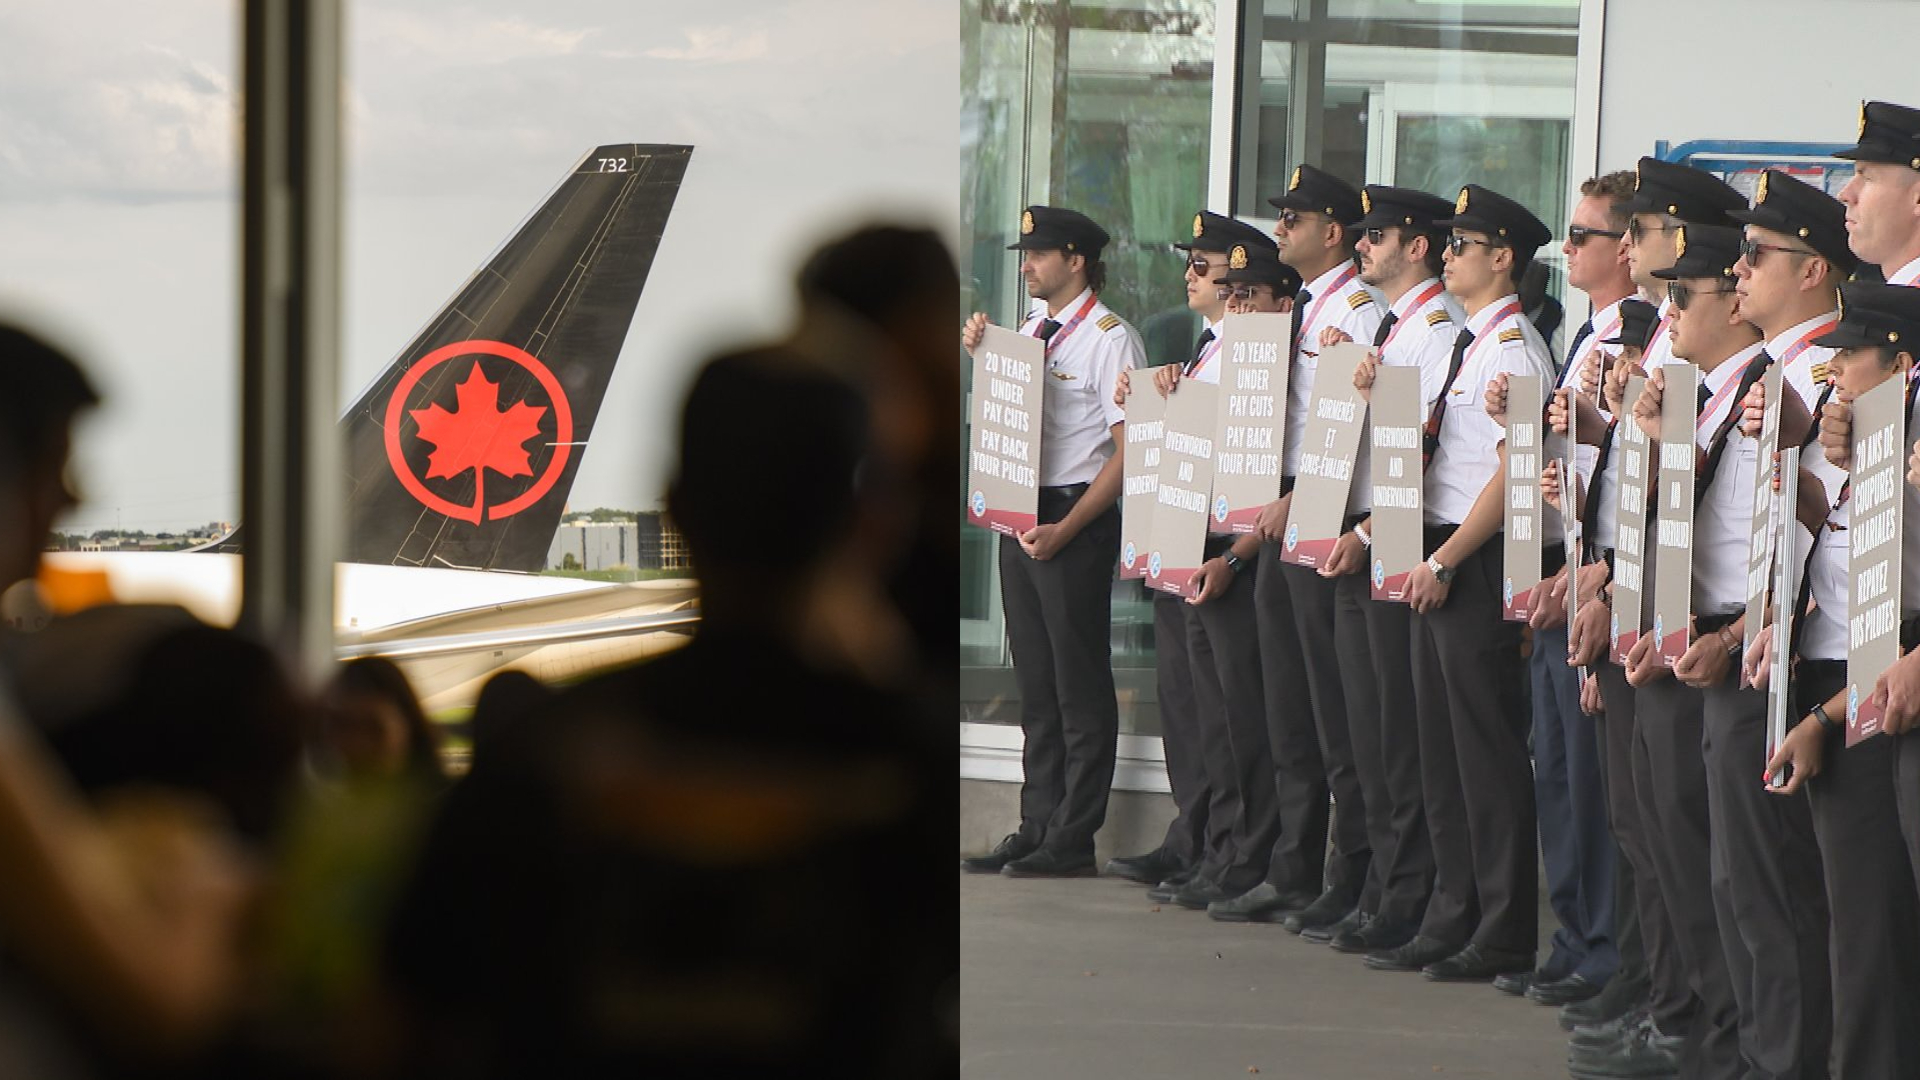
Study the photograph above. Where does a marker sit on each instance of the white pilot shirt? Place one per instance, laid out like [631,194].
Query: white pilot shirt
[1608,525]
[1422,337]
[1906,275]
[1723,524]
[1606,324]
[1824,635]
[1210,363]
[1806,372]
[1084,362]
[1467,456]
[1338,299]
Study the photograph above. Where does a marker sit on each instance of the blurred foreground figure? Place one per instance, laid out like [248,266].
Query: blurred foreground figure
[119,922]
[719,860]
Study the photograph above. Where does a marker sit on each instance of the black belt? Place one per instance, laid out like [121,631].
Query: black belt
[1437,535]
[1820,669]
[1552,558]
[1066,491]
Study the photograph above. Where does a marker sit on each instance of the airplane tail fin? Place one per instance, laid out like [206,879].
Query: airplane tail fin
[462,452]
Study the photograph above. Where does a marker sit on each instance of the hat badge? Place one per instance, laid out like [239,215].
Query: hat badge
[1892,336]
[1026,223]
[1199,226]
[1237,258]
[1460,204]
[1680,241]
[1760,193]
[1863,120]
[1293,182]
[1366,203]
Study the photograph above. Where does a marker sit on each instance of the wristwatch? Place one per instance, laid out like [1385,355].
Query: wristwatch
[1828,724]
[1441,574]
[1234,562]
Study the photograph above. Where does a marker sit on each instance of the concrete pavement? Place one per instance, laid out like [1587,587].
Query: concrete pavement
[1083,978]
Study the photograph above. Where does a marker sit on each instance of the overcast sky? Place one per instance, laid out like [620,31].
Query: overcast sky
[118,193]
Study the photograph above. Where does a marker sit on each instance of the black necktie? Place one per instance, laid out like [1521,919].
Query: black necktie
[1381,335]
[1438,413]
[1826,394]
[1300,301]
[1048,328]
[1703,395]
[1573,350]
[1717,445]
[1590,511]
[1199,347]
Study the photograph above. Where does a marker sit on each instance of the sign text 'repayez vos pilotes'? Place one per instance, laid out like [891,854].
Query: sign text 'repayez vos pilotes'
[1873,536]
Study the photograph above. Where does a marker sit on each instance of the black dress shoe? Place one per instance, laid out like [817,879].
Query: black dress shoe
[1476,963]
[1149,869]
[1262,903]
[1324,935]
[1049,863]
[1372,937]
[1332,906]
[1618,999]
[1414,955]
[1168,888]
[1199,893]
[1565,991]
[1515,983]
[1009,849]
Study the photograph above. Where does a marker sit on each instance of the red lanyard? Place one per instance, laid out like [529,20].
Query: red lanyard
[1073,324]
[1713,403]
[1212,350]
[1314,311]
[1419,302]
[1511,309]
[1801,346]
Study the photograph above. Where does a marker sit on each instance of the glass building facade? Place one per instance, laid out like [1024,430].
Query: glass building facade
[1139,112]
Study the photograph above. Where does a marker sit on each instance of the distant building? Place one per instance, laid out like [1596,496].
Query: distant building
[649,543]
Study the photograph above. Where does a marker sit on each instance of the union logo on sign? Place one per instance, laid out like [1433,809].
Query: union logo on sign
[1293,537]
[1129,555]
[1220,508]
[979,504]
[1153,565]
[1508,593]
[1379,574]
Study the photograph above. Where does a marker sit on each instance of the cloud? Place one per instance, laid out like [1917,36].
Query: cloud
[461,37]
[714,44]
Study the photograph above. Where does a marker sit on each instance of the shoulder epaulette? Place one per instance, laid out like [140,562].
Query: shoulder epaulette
[1438,316]
[1108,321]
[1511,333]
[1820,372]
[1359,298]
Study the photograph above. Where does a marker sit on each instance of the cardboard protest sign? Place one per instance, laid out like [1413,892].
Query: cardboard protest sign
[1673,517]
[1003,460]
[1630,539]
[1873,535]
[1253,381]
[1523,523]
[1179,529]
[1760,547]
[1146,430]
[1398,507]
[1328,448]
[1786,583]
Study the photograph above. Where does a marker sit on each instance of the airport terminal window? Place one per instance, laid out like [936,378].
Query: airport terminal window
[1413,93]
[1102,106]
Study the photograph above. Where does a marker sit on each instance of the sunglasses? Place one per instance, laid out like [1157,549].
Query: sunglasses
[1200,265]
[1751,249]
[1457,244]
[1291,218]
[1637,231]
[1683,294]
[1240,292]
[1578,235]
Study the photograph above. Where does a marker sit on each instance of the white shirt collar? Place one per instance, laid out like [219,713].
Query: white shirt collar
[1780,343]
[1906,275]
[1482,320]
[1212,324]
[1729,369]
[1066,310]
[1404,307]
[1607,318]
[1319,286]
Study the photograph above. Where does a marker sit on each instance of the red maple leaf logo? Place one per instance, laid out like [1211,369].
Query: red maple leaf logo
[479,436]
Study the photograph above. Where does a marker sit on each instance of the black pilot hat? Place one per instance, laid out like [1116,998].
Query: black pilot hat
[1052,228]
[1636,324]
[1257,266]
[1218,232]
[1791,207]
[1876,315]
[1504,221]
[1705,251]
[1693,195]
[1403,208]
[1312,190]
[1888,133]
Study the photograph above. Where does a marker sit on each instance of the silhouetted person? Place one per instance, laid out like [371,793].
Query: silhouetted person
[505,701]
[373,726]
[718,860]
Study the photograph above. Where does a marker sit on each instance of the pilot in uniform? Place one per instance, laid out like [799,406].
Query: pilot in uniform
[1058,608]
